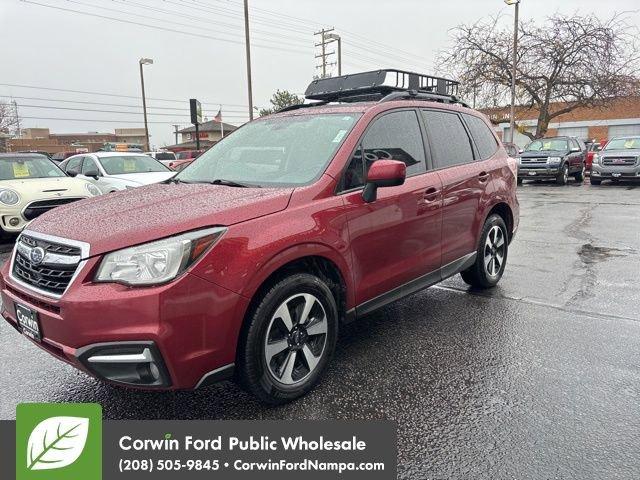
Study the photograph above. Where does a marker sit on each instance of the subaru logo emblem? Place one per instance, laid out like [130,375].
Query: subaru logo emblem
[37,255]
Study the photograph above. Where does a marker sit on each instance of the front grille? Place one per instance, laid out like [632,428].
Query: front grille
[621,161]
[54,272]
[50,246]
[534,160]
[35,209]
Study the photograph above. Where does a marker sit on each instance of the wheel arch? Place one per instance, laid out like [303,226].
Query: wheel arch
[504,211]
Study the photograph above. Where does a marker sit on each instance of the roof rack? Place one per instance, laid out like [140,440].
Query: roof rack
[383,85]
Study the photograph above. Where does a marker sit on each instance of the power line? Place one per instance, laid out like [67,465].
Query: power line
[137,97]
[22,105]
[173,21]
[84,102]
[155,27]
[97,120]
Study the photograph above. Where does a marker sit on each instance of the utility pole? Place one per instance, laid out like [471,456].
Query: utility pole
[324,41]
[248,50]
[512,124]
[335,37]
[15,109]
[175,131]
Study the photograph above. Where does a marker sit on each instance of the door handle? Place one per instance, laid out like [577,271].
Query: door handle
[483,177]
[430,194]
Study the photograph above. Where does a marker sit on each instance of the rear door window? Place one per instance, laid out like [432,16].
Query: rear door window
[393,136]
[482,136]
[89,165]
[448,139]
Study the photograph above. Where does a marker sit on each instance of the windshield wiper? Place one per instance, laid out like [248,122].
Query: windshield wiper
[231,183]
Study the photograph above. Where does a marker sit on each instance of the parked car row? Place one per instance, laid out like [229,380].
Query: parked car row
[559,158]
[32,184]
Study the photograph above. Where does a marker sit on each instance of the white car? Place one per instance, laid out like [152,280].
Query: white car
[163,156]
[114,171]
[30,185]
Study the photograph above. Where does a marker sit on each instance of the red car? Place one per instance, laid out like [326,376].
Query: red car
[245,264]
[592,149]
[178,165]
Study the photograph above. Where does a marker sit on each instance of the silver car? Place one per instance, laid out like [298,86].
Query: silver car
[618,160]
[113,171]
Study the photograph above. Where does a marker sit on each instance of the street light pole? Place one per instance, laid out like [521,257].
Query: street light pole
[145,61]
[512,124]
[248,49]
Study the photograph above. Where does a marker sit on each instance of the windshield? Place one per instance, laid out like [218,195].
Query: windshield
[165,156]
[124,164]
[284,151]
[19,168]
[624,144]
[548,144]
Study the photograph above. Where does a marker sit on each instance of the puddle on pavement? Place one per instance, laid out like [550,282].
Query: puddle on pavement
[590,254]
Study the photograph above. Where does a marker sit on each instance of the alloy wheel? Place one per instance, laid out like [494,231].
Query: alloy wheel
[494,251]
[296,338]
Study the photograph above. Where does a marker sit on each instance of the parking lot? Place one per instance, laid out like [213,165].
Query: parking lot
[540,378]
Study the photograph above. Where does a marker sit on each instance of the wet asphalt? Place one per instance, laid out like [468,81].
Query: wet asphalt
[538,378]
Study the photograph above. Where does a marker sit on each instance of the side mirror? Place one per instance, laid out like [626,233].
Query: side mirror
[383,173]
[72,173]
[93,174]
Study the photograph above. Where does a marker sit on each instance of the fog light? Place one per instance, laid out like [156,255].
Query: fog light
[14,221]
[128,363]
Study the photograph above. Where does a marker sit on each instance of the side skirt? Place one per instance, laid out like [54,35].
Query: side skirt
[412,287]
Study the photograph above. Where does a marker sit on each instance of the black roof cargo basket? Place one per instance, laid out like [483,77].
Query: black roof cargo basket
[383,85]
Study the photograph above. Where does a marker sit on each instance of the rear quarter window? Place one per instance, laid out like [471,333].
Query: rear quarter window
[482,136]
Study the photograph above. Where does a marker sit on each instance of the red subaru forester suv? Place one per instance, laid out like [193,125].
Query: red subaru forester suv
[246,263]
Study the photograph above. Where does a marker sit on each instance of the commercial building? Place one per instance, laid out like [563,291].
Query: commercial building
[43,140]
[208,132]
[619,117]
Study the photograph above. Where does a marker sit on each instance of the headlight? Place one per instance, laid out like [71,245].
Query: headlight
[157,262]
[554,160]
[596,159]
[9,197]
[92,189]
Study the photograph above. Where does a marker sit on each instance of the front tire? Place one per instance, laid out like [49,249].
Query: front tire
[491,257]
[519,181]
[580,175]
[289,339]
[594,181]
[563,176]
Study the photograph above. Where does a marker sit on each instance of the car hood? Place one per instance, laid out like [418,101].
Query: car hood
[545,154]
[47,187]
[143,178]
[623,152]
[118,220]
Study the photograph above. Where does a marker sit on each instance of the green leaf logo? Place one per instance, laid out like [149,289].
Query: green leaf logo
[56,442]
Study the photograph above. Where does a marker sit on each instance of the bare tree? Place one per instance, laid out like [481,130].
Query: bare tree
[8,118]
[566,63]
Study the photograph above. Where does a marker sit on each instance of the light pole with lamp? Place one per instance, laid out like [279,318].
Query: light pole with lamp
[145,61]
[512,116]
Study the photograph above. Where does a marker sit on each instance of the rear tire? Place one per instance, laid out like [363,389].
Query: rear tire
[563,175]
[491,257]
[289,339]
[594,181]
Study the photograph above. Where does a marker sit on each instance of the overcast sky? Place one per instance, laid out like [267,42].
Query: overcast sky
[61,49]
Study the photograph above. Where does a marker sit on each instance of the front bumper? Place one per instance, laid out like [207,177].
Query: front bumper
[190,328]
[538,172]
[610,172]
